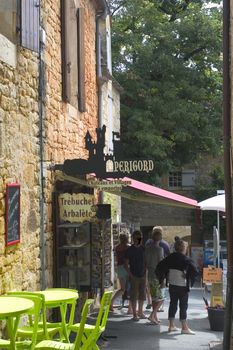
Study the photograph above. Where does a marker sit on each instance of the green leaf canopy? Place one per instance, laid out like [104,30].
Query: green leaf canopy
[167,55]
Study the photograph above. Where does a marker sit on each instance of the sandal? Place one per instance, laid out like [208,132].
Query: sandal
[153,320]
[142,317]
[153,323]
[187,331]
[172,329]
[136,319]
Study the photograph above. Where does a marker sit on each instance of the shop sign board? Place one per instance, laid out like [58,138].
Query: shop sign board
[212,274]
[216,295]
[105,165]
[77,207]
[217,300]
[114,185]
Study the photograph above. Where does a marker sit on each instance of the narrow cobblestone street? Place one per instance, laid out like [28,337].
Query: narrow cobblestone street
[142,335]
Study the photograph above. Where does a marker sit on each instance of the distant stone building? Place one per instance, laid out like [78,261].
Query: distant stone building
[175,220]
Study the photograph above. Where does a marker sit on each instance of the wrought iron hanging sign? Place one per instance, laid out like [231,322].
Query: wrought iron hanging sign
[104,165]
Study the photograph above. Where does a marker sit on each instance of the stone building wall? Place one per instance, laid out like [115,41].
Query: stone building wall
[174,220]
[19,162]
[65,127]
[149,214]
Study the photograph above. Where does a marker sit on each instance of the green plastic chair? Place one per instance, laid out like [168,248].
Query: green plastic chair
[99,327]
[43,331]
[77,345]
[33,320]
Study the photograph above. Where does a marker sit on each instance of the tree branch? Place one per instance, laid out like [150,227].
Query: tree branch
[173,11]
[115,9]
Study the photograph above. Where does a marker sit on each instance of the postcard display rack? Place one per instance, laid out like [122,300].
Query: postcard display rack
[82,249]
[83,255]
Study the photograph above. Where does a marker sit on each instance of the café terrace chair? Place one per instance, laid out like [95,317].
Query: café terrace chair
[99,327]
[78,344]
[42,330]
[33,314]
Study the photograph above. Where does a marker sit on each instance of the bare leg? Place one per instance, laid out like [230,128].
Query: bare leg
[153,316]
[161,307]
[134,307]
[130,309]
[148,295]
[185,329]
[172,326]
[119,292]
[140,309]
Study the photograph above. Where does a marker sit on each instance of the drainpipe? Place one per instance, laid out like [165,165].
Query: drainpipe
[227,170]
[101,15]
[41,92]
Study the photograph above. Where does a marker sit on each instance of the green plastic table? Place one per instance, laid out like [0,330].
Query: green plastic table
[10,309]
[58,297]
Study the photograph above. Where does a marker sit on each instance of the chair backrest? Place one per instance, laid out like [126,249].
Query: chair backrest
[33,314]
[42,314]
[78,340]
[103,311]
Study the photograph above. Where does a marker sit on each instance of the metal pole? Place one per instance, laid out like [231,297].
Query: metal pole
[227,170]
[218,239]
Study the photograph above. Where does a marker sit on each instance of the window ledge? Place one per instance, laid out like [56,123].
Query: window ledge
[7,51]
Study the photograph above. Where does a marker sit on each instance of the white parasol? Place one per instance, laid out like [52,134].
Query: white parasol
[214,203]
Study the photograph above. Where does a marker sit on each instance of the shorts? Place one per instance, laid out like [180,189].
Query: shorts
[155,290]
[137,288]
[122,273]
[163,292]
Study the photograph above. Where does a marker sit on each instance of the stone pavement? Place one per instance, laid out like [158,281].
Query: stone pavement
[124,334]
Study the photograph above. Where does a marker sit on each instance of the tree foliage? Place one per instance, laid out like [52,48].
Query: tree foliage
[167,57]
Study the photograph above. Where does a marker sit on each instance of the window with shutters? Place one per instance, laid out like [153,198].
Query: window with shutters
[20,17]
[30,24]
[182,179]
[175,179]
[73,55]
[8,19]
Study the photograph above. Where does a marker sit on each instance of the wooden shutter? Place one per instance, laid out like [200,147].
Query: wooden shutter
[29,24]
[66,64]
[69,53]
[81,60]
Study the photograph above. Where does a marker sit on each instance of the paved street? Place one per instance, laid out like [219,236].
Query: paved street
[140,335]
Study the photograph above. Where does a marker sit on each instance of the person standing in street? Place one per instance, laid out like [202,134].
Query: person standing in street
[172,246]
[135,264]
[166,251]
[154,254]
[180,272]
[122,274]
[164,244]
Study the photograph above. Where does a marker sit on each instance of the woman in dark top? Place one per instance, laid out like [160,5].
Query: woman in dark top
[136,267]
[180,272]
